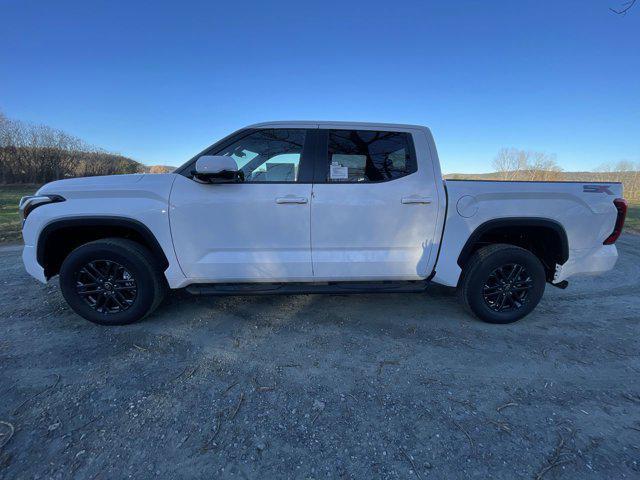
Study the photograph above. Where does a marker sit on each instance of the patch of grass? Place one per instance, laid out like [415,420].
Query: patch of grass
[632,223]
[10,220]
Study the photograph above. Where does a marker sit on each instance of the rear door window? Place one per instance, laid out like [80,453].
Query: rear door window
[361,156]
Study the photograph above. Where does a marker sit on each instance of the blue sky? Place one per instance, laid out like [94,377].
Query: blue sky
[159,81]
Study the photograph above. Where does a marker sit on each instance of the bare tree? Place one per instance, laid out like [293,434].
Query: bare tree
[543,167]
[38,154]
[506,163]
[624,171]
[514,164]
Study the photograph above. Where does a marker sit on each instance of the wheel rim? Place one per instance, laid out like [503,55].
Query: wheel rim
[106,286]
[507,288]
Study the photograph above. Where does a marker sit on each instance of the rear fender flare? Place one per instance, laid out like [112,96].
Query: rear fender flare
[485,227]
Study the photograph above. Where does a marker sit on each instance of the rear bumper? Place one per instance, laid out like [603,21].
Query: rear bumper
[590,261]
[30,260]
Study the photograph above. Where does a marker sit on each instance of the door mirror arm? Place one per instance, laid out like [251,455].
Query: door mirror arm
[224,176]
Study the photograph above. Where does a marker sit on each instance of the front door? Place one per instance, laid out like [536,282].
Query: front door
[373,211]
[258,230]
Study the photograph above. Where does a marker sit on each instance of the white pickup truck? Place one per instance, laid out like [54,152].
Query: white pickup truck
[315,207]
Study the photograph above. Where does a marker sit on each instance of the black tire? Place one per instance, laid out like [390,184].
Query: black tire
[127,277]
[488,272]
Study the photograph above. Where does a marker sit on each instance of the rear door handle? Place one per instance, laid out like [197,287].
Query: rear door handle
[416,199]
[288,199]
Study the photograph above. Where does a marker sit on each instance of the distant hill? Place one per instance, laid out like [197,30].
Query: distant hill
[158,169]
[629,178]
[37,154]
[558,176]
[38,165]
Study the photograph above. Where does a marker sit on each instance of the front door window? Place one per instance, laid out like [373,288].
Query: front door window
[270,155]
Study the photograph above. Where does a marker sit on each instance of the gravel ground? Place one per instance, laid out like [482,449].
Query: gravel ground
[363,386]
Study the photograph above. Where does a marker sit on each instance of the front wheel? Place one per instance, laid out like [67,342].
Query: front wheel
[113,281]
[502,283]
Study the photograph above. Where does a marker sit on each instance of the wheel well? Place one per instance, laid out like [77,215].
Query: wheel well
[59,239]
[546,239]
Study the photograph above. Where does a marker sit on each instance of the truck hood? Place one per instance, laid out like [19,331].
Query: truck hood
[82,183]
[123,187]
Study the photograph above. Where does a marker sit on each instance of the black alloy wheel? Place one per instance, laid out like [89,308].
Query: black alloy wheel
[112,281]
[502,283]
[507,288]
[106,286]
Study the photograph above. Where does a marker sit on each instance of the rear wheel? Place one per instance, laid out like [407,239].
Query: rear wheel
[502,283]
[112,281]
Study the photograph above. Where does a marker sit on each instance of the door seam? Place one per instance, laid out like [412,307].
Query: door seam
[313,274]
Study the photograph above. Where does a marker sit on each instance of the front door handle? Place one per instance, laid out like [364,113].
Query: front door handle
[416,199]
[284,200]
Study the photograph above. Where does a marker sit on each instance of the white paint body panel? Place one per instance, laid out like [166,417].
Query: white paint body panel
[587,218]
[364,231]
[144,198]
[242,233]
[238,232]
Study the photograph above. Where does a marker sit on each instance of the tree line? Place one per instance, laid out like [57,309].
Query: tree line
[40,154]
[623,171]
[512,164]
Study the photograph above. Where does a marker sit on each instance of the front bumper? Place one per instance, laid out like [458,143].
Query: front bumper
[30,260]
[590,261]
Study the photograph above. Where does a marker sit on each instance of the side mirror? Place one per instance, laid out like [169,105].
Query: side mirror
[217,169]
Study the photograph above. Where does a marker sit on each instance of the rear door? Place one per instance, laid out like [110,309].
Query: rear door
[374,207]
[258,230]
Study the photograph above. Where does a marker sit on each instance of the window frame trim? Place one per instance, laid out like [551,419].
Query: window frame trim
[321,156]
[306,165]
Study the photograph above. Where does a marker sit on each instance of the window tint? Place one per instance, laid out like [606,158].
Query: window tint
[369,156]
[271,155]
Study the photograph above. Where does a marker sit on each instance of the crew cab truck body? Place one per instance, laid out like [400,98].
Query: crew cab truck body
[287,207]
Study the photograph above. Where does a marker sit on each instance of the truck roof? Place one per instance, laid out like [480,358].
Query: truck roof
[332,124]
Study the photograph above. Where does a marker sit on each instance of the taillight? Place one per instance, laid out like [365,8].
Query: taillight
[621,206]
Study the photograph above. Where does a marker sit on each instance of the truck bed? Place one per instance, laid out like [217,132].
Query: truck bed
[585,211]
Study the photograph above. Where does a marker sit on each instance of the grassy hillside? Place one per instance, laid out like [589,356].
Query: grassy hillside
[10,221]
[633,219]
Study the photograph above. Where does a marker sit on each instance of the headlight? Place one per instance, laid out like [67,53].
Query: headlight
[27,204]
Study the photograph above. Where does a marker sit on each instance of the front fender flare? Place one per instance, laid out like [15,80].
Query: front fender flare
[100,221]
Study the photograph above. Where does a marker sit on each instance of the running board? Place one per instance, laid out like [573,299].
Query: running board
[306,288]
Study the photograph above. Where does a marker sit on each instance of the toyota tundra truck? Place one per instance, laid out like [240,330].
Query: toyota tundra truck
[315,207]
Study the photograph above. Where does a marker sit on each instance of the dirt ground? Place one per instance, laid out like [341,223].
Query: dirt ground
[364,386]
